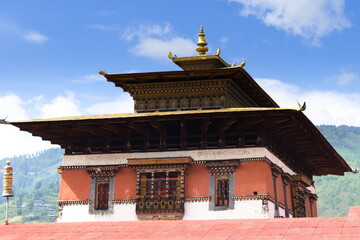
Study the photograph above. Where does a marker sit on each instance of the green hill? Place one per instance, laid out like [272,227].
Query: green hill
[36,186]
[36,182]
[338,193]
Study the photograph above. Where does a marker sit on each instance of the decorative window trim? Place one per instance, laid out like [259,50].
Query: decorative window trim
[106,173]
[216,169]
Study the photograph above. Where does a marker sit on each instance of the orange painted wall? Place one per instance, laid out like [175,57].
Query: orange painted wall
[315,211]
[253,176]
[74,185]
[197,179]
[288,191]
[125,184]
[280,190]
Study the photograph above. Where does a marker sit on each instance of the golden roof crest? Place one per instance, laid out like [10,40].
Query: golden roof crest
[201,49]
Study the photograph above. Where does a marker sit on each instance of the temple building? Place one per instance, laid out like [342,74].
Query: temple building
[205,142]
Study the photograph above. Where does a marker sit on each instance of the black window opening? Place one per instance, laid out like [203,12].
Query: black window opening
[102,195]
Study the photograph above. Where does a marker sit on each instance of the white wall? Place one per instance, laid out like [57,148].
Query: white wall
[197,155]
[80,213]
[243,209]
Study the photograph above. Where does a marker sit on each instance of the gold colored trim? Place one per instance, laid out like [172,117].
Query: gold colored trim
[303,179]
[150,114]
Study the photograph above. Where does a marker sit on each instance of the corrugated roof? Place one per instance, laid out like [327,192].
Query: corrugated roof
[279,228]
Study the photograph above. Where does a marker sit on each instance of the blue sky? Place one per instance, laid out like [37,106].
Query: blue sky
[51,51]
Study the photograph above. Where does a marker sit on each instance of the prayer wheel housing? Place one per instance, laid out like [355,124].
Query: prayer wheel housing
[8,178]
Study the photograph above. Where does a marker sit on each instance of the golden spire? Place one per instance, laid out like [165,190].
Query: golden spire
[201,49]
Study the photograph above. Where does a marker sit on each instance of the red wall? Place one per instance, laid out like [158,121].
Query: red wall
[74,185]
[197,179]
[125,184]
[253,176]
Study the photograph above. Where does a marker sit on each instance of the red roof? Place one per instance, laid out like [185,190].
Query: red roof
[279,228]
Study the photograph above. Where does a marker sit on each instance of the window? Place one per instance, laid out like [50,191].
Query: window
[159,190]
[102,186]
[102,195]
[222,191]
[221,185]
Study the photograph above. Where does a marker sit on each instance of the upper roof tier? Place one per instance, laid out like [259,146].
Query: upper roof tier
[202,61]
[207,82]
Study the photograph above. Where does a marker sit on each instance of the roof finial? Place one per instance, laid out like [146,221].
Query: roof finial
[201,49]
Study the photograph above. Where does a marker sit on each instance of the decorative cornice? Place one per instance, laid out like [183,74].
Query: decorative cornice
[302,179]
[276,170]
[265,159]
[77,167]
[159,161]
[222,167]
[102,172]
[313,197]
[72,167]
[124,201]
[160,167]
[253,197]
[71,203]
[197,199]
[183,88]
[286,178]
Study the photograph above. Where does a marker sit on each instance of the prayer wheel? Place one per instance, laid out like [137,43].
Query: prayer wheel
[8,178]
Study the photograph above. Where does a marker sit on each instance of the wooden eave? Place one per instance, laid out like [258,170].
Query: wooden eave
[237,74]
[289,128]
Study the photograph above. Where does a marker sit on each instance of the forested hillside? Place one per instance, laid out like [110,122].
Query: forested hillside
[36,186]
[36,182]
[337,193]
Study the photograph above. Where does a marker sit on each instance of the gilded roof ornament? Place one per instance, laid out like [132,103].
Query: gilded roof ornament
[202,61]
[201,49]
[3,121]
[242,64]
[170,55]
[217,53]
[302,107]
[102,72]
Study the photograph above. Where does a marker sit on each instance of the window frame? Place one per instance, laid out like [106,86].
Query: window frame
[99,197]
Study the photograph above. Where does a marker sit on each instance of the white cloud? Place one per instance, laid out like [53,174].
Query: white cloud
[311,19]
[8,29]
[323,107]
[155,41]
[122,104]
[61,106]
[35,37]
[343,78]
[91,78]
[12,107]
[14,142]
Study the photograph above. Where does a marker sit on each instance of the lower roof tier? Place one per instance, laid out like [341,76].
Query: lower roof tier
[286,132]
